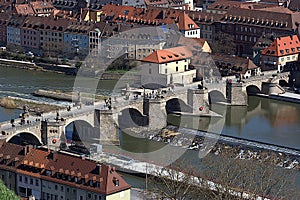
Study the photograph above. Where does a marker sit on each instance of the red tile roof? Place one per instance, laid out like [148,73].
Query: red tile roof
[24,9]
[150,16]
[169,55]
[283,46]
[186,23]
[262,18]
[42,7]
[43,160]
[235,63]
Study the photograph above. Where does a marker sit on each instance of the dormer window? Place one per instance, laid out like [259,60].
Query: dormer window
[281,51]
[293,49]
[91,183]
[76,179]
[287,51]
[116,182]
[48,173]
[98,184]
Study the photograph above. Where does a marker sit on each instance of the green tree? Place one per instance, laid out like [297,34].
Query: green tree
[6,194]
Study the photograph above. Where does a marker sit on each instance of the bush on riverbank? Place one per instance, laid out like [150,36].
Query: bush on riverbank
[8,103]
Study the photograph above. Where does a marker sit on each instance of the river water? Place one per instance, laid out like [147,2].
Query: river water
[264,120]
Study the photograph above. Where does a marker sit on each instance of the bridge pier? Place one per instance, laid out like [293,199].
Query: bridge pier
[198,100]
[157,114]
[236,95]
[52,131]
[109,132]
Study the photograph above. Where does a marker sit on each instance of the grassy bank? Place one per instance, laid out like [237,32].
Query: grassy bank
[11,103]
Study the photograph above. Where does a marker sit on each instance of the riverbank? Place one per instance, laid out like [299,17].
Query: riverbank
[227,146]
[69,96]
[61,69]
[33,106]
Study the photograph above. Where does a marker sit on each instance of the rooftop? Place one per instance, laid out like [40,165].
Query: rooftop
[283,46]
[168,55]
[61,168]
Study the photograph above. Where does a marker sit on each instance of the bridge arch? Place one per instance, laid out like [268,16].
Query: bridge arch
[177,105]
[81,132]
[283,83]
[25,136]
[132,117]
[252,90]
[216,96]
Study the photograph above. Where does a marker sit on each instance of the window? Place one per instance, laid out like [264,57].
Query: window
[20,178]
[150,71]
[89,195]
[62,188]
[36,182]
[55,187]
[166,71]
[26,180]
[176,68]
[282,59]
[31,181]
[288,58]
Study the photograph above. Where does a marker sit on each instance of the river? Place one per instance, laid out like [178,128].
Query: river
[264,120]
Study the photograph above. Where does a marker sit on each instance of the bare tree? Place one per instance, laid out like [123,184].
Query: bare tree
[224,178]
[248,179]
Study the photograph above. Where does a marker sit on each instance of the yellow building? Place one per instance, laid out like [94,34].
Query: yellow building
[282,54]
[168,66]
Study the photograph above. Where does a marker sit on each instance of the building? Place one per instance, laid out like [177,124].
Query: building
[3,28]
[230,65]
[167,66]
[188,27]
[247,25]
[263,42]
[14,26]
[42,8]
[45,175]
[152,16]
[282,54]
[81,38]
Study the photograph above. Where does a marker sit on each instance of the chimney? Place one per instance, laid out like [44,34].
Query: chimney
[53,155]
[27,149]
[98,168]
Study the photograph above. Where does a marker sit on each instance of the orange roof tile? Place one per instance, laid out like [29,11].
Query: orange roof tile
[168,55]
[186,23]
[24,9]
[283,46]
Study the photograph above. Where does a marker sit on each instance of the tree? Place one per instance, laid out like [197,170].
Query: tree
[223,43]
[171,183]
[224,178]
[6,194]
[248,177]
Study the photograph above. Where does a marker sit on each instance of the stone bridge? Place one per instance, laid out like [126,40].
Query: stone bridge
[96,123]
